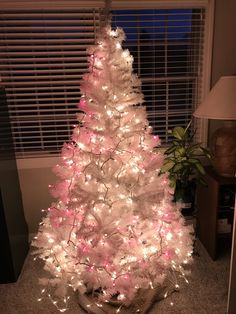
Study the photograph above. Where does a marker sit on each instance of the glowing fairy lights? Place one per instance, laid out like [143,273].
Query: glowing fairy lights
[113,219]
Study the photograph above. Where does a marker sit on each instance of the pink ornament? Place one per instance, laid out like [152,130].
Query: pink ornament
[169,254]
[157,140]
[61,190]
[82,104]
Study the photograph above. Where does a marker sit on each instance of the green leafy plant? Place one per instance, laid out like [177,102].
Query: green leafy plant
[183,162]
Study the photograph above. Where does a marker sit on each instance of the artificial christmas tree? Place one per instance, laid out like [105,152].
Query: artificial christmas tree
[114,229]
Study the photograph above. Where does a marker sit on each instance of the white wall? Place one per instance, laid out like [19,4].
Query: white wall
[224,63]
[224,43]
[35,175]
[224,46]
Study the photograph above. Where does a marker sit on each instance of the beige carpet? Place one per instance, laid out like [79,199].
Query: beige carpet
[206,292]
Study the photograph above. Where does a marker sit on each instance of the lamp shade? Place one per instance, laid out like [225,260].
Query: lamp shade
[221,101]
[221,104]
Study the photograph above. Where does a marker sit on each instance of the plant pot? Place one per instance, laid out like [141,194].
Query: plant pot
[185,196]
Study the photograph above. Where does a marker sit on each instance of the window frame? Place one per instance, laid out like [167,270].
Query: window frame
[200,124]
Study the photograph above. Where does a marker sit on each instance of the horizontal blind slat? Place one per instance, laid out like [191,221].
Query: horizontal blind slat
[22,61]
[25,73]
[43,53]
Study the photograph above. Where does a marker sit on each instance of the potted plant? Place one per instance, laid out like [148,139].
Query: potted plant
[184,166]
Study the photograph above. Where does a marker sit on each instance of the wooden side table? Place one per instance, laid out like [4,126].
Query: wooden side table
[215,210]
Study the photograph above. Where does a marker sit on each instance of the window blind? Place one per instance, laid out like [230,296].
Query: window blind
[43,57]
[168,47]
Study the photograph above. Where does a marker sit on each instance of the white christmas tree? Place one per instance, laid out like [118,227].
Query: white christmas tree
[114,227]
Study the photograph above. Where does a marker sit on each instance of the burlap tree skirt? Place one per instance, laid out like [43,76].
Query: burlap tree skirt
[141,304]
